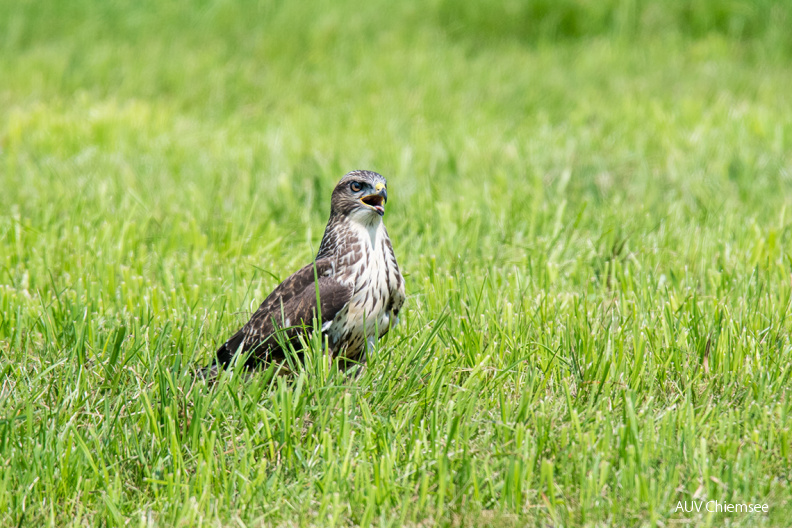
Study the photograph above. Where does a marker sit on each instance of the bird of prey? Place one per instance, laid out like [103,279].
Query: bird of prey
[354,278]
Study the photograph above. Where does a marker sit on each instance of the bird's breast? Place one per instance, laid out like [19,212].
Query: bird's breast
[366,267]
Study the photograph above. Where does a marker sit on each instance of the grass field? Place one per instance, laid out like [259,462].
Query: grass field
[590,202]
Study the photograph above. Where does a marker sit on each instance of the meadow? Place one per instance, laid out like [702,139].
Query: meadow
[590,202]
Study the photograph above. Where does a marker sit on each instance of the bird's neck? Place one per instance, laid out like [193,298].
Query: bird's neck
[345,236]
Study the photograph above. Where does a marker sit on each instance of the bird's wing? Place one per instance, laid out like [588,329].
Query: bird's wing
[397,295]
[290,306]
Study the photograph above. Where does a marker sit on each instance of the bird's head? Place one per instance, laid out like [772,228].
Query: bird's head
[360,195]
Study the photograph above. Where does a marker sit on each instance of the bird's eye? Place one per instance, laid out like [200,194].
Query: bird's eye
[355,186]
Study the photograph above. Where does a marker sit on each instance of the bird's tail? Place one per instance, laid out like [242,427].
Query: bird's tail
[224,356]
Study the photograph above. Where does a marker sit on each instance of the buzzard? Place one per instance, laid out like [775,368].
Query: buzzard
[354,280]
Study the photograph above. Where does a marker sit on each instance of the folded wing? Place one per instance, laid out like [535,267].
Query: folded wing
[289,309]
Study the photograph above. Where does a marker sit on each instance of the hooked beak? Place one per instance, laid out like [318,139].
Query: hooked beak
[377,201]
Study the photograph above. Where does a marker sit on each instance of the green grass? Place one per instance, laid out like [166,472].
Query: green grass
[590,202]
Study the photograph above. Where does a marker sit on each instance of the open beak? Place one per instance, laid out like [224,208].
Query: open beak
[377,201]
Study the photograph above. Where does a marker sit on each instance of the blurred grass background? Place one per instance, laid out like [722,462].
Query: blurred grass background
[589,201]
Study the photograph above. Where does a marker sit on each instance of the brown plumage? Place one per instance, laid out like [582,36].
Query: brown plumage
[360,288]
